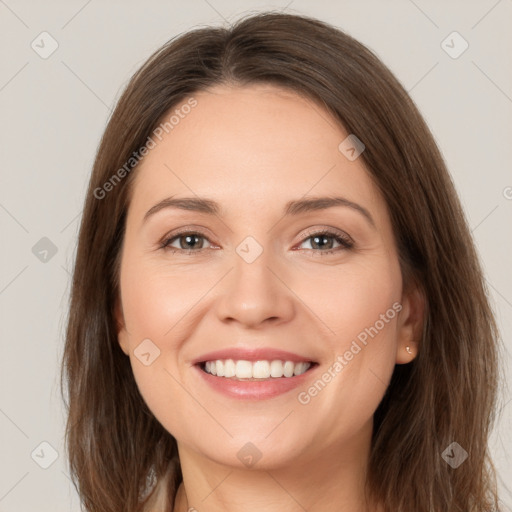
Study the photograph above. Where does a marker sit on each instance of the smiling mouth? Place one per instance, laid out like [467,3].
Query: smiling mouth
[244,370]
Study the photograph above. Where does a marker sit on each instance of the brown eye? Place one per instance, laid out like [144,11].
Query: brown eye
[187,242]
[324,242]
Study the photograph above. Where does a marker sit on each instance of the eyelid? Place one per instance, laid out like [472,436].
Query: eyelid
[189,230]
[346,240]
[192,229]
[327,230]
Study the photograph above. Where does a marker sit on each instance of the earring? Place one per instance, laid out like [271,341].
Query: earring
[408,349]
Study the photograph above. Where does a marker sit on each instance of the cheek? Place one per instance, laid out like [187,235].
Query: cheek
[349,299]
[161,306]
[158,302]
[362,311]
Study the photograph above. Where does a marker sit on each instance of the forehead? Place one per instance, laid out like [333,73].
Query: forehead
[250,146]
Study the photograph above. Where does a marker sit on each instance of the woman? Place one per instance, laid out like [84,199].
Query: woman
[276,300]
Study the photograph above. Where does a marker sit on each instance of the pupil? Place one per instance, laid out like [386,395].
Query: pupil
[323,238]
[190,239]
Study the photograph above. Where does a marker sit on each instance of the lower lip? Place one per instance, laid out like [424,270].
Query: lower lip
[251,389]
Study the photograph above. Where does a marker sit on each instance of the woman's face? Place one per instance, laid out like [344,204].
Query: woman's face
[259,272]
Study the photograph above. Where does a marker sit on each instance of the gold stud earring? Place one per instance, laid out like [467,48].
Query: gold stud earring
[408,349]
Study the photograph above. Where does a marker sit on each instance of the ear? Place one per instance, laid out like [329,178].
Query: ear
[122,332]
[410,324]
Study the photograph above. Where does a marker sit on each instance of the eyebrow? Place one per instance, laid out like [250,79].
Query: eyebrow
[293,208]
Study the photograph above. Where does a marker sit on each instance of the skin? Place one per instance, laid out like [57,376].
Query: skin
[238,146]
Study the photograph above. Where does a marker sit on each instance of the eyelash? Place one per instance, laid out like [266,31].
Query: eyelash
[344,240]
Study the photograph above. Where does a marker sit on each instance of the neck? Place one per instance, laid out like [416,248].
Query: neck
[329,481]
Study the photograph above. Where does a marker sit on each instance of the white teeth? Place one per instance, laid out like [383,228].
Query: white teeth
[255,370]
[288,369]
[229,368]
[299,369]
[276,369]
[243,369]
[261,370]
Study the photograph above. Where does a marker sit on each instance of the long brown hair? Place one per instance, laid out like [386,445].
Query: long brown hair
[447,394]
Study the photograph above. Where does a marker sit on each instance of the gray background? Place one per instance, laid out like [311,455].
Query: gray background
[54,111]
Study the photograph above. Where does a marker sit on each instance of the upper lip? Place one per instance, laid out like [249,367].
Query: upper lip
[252,354]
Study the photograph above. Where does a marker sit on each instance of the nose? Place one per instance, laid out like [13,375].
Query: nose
[255,294]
